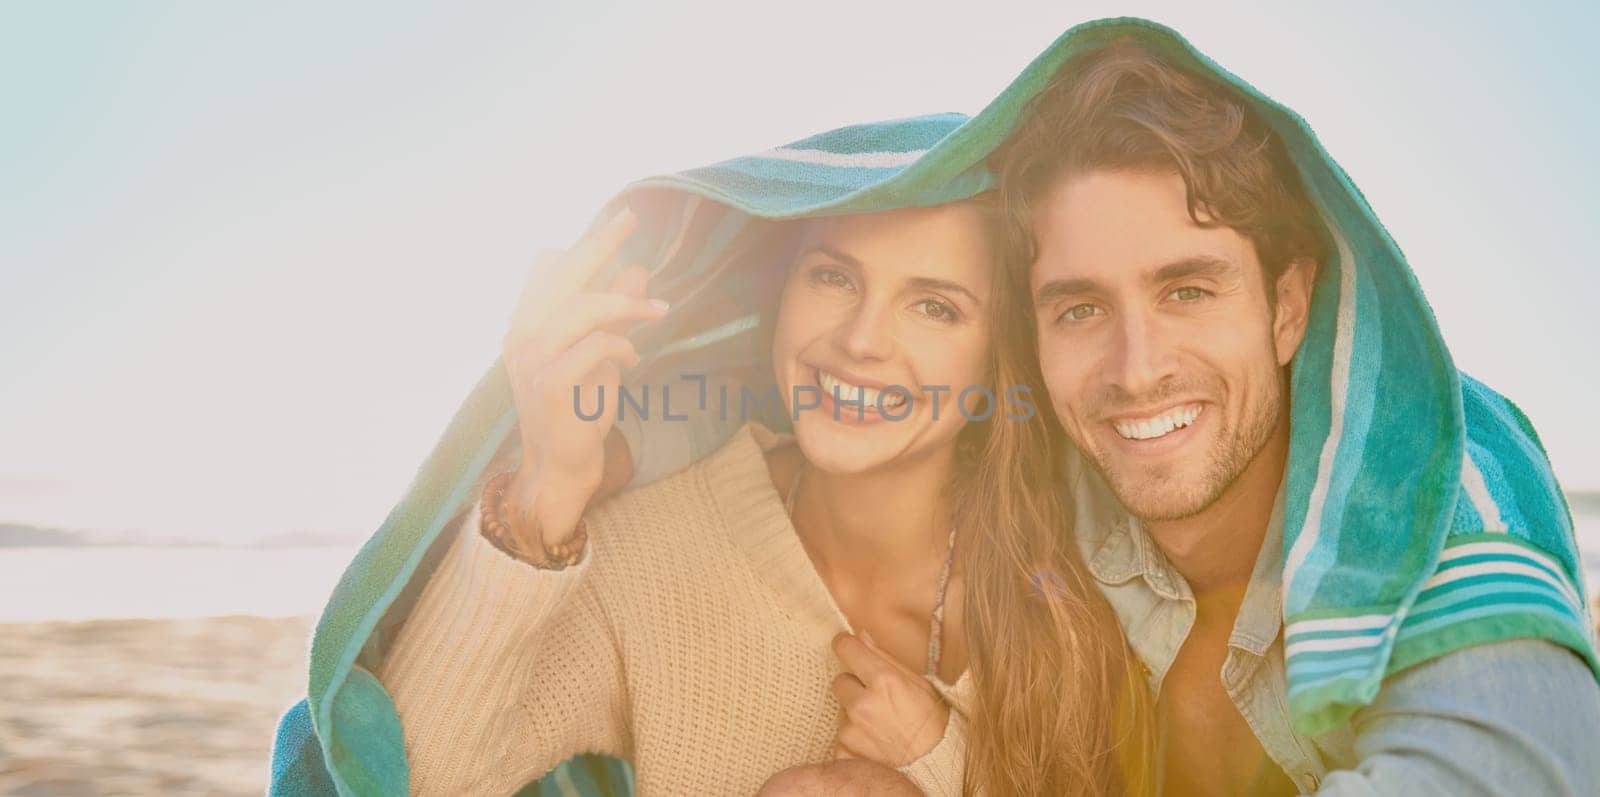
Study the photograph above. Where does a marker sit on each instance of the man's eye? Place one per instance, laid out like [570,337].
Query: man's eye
[1189,294]
[1079,312]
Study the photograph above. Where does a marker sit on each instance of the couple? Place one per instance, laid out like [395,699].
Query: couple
[1220,518]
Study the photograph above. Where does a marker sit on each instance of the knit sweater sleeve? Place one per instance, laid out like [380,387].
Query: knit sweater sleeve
[939,771]
[502,671]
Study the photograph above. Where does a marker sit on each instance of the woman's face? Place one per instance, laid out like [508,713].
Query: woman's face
[888,311]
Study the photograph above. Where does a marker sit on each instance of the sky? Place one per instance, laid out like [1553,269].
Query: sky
[252,256]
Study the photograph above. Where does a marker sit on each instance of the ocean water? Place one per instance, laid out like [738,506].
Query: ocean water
[122,582]
[202,581]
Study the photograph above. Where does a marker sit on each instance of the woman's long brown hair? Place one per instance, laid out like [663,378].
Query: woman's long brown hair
[1061,708]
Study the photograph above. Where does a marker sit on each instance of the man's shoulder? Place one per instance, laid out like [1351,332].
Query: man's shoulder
[1506,673]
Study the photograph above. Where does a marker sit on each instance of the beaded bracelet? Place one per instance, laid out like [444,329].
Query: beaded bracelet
[493,525]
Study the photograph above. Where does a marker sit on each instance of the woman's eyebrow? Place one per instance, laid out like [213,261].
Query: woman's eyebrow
[933,284]
[921,283]
[833,253]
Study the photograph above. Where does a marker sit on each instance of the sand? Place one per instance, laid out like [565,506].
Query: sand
[171,707]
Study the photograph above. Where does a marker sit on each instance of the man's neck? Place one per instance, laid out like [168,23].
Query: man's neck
[1216,549]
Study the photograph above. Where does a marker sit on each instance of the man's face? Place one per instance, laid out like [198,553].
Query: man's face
[1157,341]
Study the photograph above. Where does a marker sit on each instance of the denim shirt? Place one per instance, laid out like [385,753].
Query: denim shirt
[1515,717]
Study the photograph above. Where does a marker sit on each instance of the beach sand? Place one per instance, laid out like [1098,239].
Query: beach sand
[171,707]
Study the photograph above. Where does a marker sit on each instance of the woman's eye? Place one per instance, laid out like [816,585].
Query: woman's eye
[937,310]
[831,277]
[1079,312]
[1188,294]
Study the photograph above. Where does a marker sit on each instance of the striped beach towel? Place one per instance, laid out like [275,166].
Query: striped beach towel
[1421,517]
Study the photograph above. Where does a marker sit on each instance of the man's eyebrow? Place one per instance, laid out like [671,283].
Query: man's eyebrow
[1198,266]
[935,284]
[1055,289]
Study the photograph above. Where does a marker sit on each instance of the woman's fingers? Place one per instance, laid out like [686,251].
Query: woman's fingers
[584,314]
[579,365]
[536,286]
[872,645]
[571,319]
[891,715]
[602,244]
[847,689]
[866,663]
[550,266]
[631,281]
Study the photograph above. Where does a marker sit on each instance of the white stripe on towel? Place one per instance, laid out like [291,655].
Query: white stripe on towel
[1364,622]
[1339,643]
[1478,490]
[855,160]
[1448,574]
[1343,344]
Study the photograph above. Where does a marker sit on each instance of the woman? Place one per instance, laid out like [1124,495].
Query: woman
[786,599]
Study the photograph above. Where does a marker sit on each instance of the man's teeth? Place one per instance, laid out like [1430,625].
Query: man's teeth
[1159,426]
[845,391]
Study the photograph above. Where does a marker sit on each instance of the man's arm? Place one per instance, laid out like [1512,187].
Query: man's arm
[1515,717]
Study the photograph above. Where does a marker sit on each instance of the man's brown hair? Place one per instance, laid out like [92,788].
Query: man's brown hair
[1124,107]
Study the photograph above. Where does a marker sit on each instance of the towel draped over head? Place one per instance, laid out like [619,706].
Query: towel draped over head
[1421,513]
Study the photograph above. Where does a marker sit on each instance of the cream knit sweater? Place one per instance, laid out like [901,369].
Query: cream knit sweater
[693,640]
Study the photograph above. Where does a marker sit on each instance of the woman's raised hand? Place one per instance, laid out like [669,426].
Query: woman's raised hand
[557,366]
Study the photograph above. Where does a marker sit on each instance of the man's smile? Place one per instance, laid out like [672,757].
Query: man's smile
[1159,432]
[1152,426]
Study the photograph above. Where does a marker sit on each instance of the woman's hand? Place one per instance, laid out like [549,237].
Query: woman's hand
[892,715]
[581,347]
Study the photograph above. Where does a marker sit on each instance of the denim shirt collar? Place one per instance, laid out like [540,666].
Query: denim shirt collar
[1118,549]
[1261,614]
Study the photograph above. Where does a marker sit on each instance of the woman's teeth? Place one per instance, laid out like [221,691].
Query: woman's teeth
[844,391]
[1158,426]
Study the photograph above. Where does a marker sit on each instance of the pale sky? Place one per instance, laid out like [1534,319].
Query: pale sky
[252,257]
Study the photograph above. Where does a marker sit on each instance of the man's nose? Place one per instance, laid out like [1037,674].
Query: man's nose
[867,334]
[1142,356]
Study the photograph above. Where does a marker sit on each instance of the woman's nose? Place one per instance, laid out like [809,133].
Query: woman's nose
[867,333]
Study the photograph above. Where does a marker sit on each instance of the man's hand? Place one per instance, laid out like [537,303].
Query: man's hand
[892,715]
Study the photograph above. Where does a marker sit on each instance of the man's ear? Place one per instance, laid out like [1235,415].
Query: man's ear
[1293,309]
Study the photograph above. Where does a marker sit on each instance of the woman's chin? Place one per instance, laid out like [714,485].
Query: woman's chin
[844,448]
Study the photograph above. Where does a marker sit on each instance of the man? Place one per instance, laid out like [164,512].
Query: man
[1174,253]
